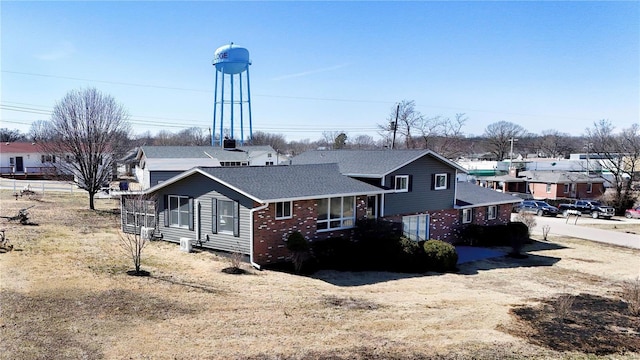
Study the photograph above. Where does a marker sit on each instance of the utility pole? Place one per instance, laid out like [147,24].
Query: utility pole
[588,147]
[395,128]
[511,153]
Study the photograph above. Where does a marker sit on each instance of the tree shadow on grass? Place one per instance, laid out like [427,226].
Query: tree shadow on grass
[591,324]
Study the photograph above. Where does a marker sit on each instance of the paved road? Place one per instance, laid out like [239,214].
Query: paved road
[570,227]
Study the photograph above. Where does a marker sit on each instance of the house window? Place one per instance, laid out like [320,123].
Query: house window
[402,183]
[440,182]
[225,216]
[47,158]
[269,155]
[566,188]
[180,211]
[139,213]
[336,213]
[283,210]
[589,187]
[492,212]
[548,188]
[12,161]
[467,215]
[269,163]
[416,227]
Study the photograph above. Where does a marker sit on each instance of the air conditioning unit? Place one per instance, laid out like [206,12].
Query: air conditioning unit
[185,244]
[146,233]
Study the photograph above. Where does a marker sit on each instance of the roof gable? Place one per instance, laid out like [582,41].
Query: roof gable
[559,177]
[201,152]
[368,163]
[279,183]
[471,195]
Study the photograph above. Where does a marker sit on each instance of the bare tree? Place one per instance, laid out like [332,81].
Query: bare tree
[443,135]
[403,121]
[193,136]
[554,143]
[499,135]
[276,141]
[83,127]
[619,153]
[40,131]
[362,142]
[7,135]
[139,212]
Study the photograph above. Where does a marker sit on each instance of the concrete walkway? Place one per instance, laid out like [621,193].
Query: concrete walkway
[570,227]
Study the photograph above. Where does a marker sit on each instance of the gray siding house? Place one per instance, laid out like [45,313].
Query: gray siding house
[155,164]
[250,210]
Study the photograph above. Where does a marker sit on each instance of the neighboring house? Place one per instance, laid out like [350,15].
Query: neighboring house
[562,184]
[483,206]
[154,164]
[423,184]
[24,159]
[250,210]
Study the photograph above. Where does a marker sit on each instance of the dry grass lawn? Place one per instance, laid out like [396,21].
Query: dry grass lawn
[64,294]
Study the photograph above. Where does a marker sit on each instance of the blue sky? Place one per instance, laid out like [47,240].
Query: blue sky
[330,66]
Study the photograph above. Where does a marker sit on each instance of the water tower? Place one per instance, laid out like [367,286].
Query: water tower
[231,61]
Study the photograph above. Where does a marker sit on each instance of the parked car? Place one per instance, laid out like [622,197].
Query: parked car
[538,207]
[632,213]
[591,207]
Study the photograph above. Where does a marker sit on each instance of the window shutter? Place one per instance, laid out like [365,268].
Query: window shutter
[409,182]
[166,211]
[433,181]
[449,180]
[236,219]
[214,216]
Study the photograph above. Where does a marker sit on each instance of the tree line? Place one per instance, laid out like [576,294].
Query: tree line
[91,130]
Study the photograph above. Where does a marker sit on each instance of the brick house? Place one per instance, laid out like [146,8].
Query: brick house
[555,185]
[253,209]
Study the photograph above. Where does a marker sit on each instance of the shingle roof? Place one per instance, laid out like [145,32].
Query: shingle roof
[280,183]
[367,162]
[559,177]
[196,152]
[470,195]
[19,147]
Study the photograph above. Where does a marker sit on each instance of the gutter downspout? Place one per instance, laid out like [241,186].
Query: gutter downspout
[251,212]
[197,222]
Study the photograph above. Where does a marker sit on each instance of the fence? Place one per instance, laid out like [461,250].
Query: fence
[38,185]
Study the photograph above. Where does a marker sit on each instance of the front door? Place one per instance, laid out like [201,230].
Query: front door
[372,207]
[19,164]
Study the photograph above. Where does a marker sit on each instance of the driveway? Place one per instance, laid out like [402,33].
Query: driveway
[575,228]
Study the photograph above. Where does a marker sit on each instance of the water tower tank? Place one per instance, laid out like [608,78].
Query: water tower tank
[231,59]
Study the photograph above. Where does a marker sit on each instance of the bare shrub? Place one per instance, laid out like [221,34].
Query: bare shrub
[527,219]
[133,243]
[235,259]
[631,295]
[545,231]
[563,306]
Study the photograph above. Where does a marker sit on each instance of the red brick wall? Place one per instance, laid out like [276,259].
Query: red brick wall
[269,234]
[446,224]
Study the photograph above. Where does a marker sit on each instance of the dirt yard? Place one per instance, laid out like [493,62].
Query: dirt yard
[65,294]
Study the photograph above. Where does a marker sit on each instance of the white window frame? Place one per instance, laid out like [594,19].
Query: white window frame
[492,212]
[467,215]
[140,213]
[226,217]
[437,181]
[589,187]
[340,222]
[416,227]
[179,210]
[399,184]
[566,188]
[283,209]
[548,188]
